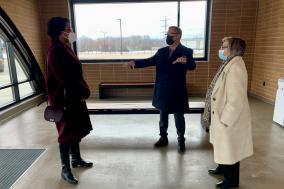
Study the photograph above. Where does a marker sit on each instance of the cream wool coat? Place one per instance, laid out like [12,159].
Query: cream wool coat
[230,130]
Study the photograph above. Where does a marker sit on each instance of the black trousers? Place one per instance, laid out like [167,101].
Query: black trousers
[179,121]
[231,172]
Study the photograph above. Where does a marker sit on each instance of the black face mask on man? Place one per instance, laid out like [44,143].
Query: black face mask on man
[170,40]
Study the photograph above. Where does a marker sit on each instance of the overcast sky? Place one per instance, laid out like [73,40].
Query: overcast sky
[93,20]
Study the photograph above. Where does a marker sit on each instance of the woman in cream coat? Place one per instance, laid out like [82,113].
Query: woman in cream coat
[230,130]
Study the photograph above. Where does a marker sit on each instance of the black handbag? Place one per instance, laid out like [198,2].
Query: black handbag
[53,113]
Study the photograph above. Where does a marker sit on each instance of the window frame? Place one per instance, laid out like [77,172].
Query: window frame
[94,61]
[17,46]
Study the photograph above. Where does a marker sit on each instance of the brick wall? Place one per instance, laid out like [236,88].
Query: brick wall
[233,18]
[26,17]
[268,64]
[49,9]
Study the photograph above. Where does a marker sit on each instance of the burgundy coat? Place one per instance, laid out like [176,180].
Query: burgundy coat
[64,71]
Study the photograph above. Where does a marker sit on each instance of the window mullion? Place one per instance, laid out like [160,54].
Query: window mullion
[14,78]
[178,13]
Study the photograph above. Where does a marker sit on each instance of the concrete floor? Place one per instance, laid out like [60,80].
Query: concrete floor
[121,148]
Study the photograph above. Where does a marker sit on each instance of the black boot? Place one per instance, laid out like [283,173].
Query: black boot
[218,171]
[225,184]
[66,173]
[163,141]
[181,145]
[77,161]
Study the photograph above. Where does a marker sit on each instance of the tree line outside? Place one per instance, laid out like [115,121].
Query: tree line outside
[127,47]
[113,44]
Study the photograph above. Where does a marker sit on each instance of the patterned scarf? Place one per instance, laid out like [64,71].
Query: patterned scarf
[206,116]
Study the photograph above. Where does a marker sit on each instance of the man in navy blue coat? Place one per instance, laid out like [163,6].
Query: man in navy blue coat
[170,94]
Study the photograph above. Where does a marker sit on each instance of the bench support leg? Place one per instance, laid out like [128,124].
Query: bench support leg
[101,92]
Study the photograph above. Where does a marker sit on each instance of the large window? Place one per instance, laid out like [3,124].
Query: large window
[119,31]
[20,77]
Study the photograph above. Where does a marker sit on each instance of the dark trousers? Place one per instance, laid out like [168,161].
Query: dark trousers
[231,172]
[179,121]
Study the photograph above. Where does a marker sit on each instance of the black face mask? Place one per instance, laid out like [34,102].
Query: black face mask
[170,40]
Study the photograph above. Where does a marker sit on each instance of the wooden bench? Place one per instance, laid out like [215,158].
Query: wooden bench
[112,85]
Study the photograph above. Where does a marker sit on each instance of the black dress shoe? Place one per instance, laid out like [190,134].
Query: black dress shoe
[163,141]
[81,163]
[224,184]
[181,146]
[67,175]
[215,171]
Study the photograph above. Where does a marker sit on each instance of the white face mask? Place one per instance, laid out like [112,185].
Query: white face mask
[72,37]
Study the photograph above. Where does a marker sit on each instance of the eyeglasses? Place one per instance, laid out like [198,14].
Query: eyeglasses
[224,47]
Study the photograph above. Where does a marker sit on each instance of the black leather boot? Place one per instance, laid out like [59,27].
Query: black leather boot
[163,141]
[66,173]
[218,171]
[225,184]
[77,161]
